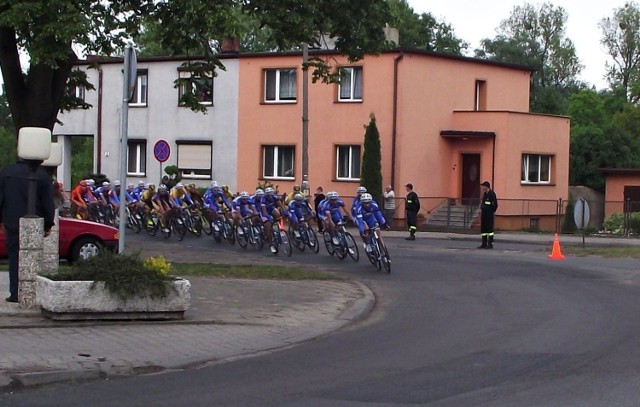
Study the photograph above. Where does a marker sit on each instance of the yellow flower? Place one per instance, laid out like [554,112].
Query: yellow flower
[157,264]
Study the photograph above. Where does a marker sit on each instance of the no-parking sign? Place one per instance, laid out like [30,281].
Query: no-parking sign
[161,150]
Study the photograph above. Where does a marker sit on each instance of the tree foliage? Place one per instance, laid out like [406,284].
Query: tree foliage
[50,32]
[423,31]
[536,37]
[621,38]
[372,160]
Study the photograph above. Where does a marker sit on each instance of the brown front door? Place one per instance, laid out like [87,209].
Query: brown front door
[470,179]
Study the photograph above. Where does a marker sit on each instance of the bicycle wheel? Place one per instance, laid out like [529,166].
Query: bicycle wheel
[296,237]
[256,237]
[228,232]
[351,246]
[205,224]
[217,230]
[386,260]
[151,224]
[242,235]
[166,229]
[312,240]
[284,242]
[195,226]
[370,255]
[178,227]
[341,250]
[134,220]
[328,244]
[375,252]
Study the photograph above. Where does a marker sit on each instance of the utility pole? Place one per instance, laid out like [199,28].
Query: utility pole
[306,189]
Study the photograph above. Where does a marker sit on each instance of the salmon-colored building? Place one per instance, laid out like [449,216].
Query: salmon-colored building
[622,189]
[446,124]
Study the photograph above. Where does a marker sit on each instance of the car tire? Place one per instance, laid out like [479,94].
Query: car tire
[84,248]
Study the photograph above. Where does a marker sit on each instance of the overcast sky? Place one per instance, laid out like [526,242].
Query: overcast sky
[473,20]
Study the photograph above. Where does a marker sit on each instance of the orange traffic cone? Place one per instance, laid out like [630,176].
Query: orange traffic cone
[556,253]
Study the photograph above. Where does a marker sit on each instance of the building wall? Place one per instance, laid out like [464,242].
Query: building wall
[614,191]
[162,118]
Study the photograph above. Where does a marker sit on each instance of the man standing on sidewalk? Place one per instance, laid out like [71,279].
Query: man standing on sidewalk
[14,193]
[488,205]
[389,204]
[412,207]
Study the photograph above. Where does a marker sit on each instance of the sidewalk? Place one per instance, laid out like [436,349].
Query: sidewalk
[228,319]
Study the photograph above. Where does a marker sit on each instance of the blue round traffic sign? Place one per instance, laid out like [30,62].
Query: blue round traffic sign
[161,150]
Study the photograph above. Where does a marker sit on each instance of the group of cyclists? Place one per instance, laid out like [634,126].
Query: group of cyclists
[217,203]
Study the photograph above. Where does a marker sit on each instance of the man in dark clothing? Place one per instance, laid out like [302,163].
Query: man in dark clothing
[488,205]
[318,197]
[14,198]
[412,207]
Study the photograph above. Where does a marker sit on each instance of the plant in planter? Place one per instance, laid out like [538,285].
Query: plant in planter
[112,286]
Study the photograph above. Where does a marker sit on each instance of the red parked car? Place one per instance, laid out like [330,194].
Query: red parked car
[79,239]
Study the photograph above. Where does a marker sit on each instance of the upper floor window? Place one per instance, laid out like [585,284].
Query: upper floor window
[278,162]
[481,96]
[139,97]
[200,86]
[348,162]
[194,159]
[137,158]
[350,87]
[76,92]
[280,85]
[536,169]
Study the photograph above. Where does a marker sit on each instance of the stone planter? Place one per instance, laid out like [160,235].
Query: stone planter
[76,300]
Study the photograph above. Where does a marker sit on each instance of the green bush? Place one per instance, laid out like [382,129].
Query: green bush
[123,275]
[615,223]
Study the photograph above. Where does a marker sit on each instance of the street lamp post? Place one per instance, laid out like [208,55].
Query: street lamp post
[305,120]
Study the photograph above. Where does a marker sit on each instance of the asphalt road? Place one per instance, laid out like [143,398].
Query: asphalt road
[453,326]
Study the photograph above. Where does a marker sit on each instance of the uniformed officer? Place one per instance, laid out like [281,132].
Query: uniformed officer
[412,208]
[488,205]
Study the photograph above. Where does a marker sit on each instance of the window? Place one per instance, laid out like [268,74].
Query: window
[139,97]
[536,169]
[350,87]
[194,159]
[280,85]
[137,158]
[348,160]
[278,162]
[481,96]
[76,92]
[201,87]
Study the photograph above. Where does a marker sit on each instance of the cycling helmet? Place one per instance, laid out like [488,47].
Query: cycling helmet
[215,188]
[361,190]
[129,186]
[364,198]
[140,183]
[296,188]
[116,183]
[106,184]
[180,185]
[214,184]
[244,195]
[269,191]
[162,187]
[332,195]
[91,182]
[298,197]
[259,192]
[191,186]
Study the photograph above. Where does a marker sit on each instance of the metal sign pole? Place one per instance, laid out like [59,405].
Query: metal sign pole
[128,86]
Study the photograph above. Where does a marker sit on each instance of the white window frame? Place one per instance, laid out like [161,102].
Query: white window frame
[140,95]
[351,154]
[277,97]
[140,157]
[182,88]
[354,82]
[535,163]
[195,159]
[275,165]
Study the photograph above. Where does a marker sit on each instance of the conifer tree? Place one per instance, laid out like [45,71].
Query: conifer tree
[372,161]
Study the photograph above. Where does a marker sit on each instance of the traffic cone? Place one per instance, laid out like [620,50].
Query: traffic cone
[556,253]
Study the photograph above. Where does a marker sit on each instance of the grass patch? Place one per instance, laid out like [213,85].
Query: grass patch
[608,252]
[251,271]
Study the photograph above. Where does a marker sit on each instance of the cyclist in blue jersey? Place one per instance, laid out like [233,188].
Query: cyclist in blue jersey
[331,212]
[242,207]
[356,201]
[215,201]
[273,204]
[261,210]
[113,196]
[139,190]
[298,208]
[102,192]
[369,216]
